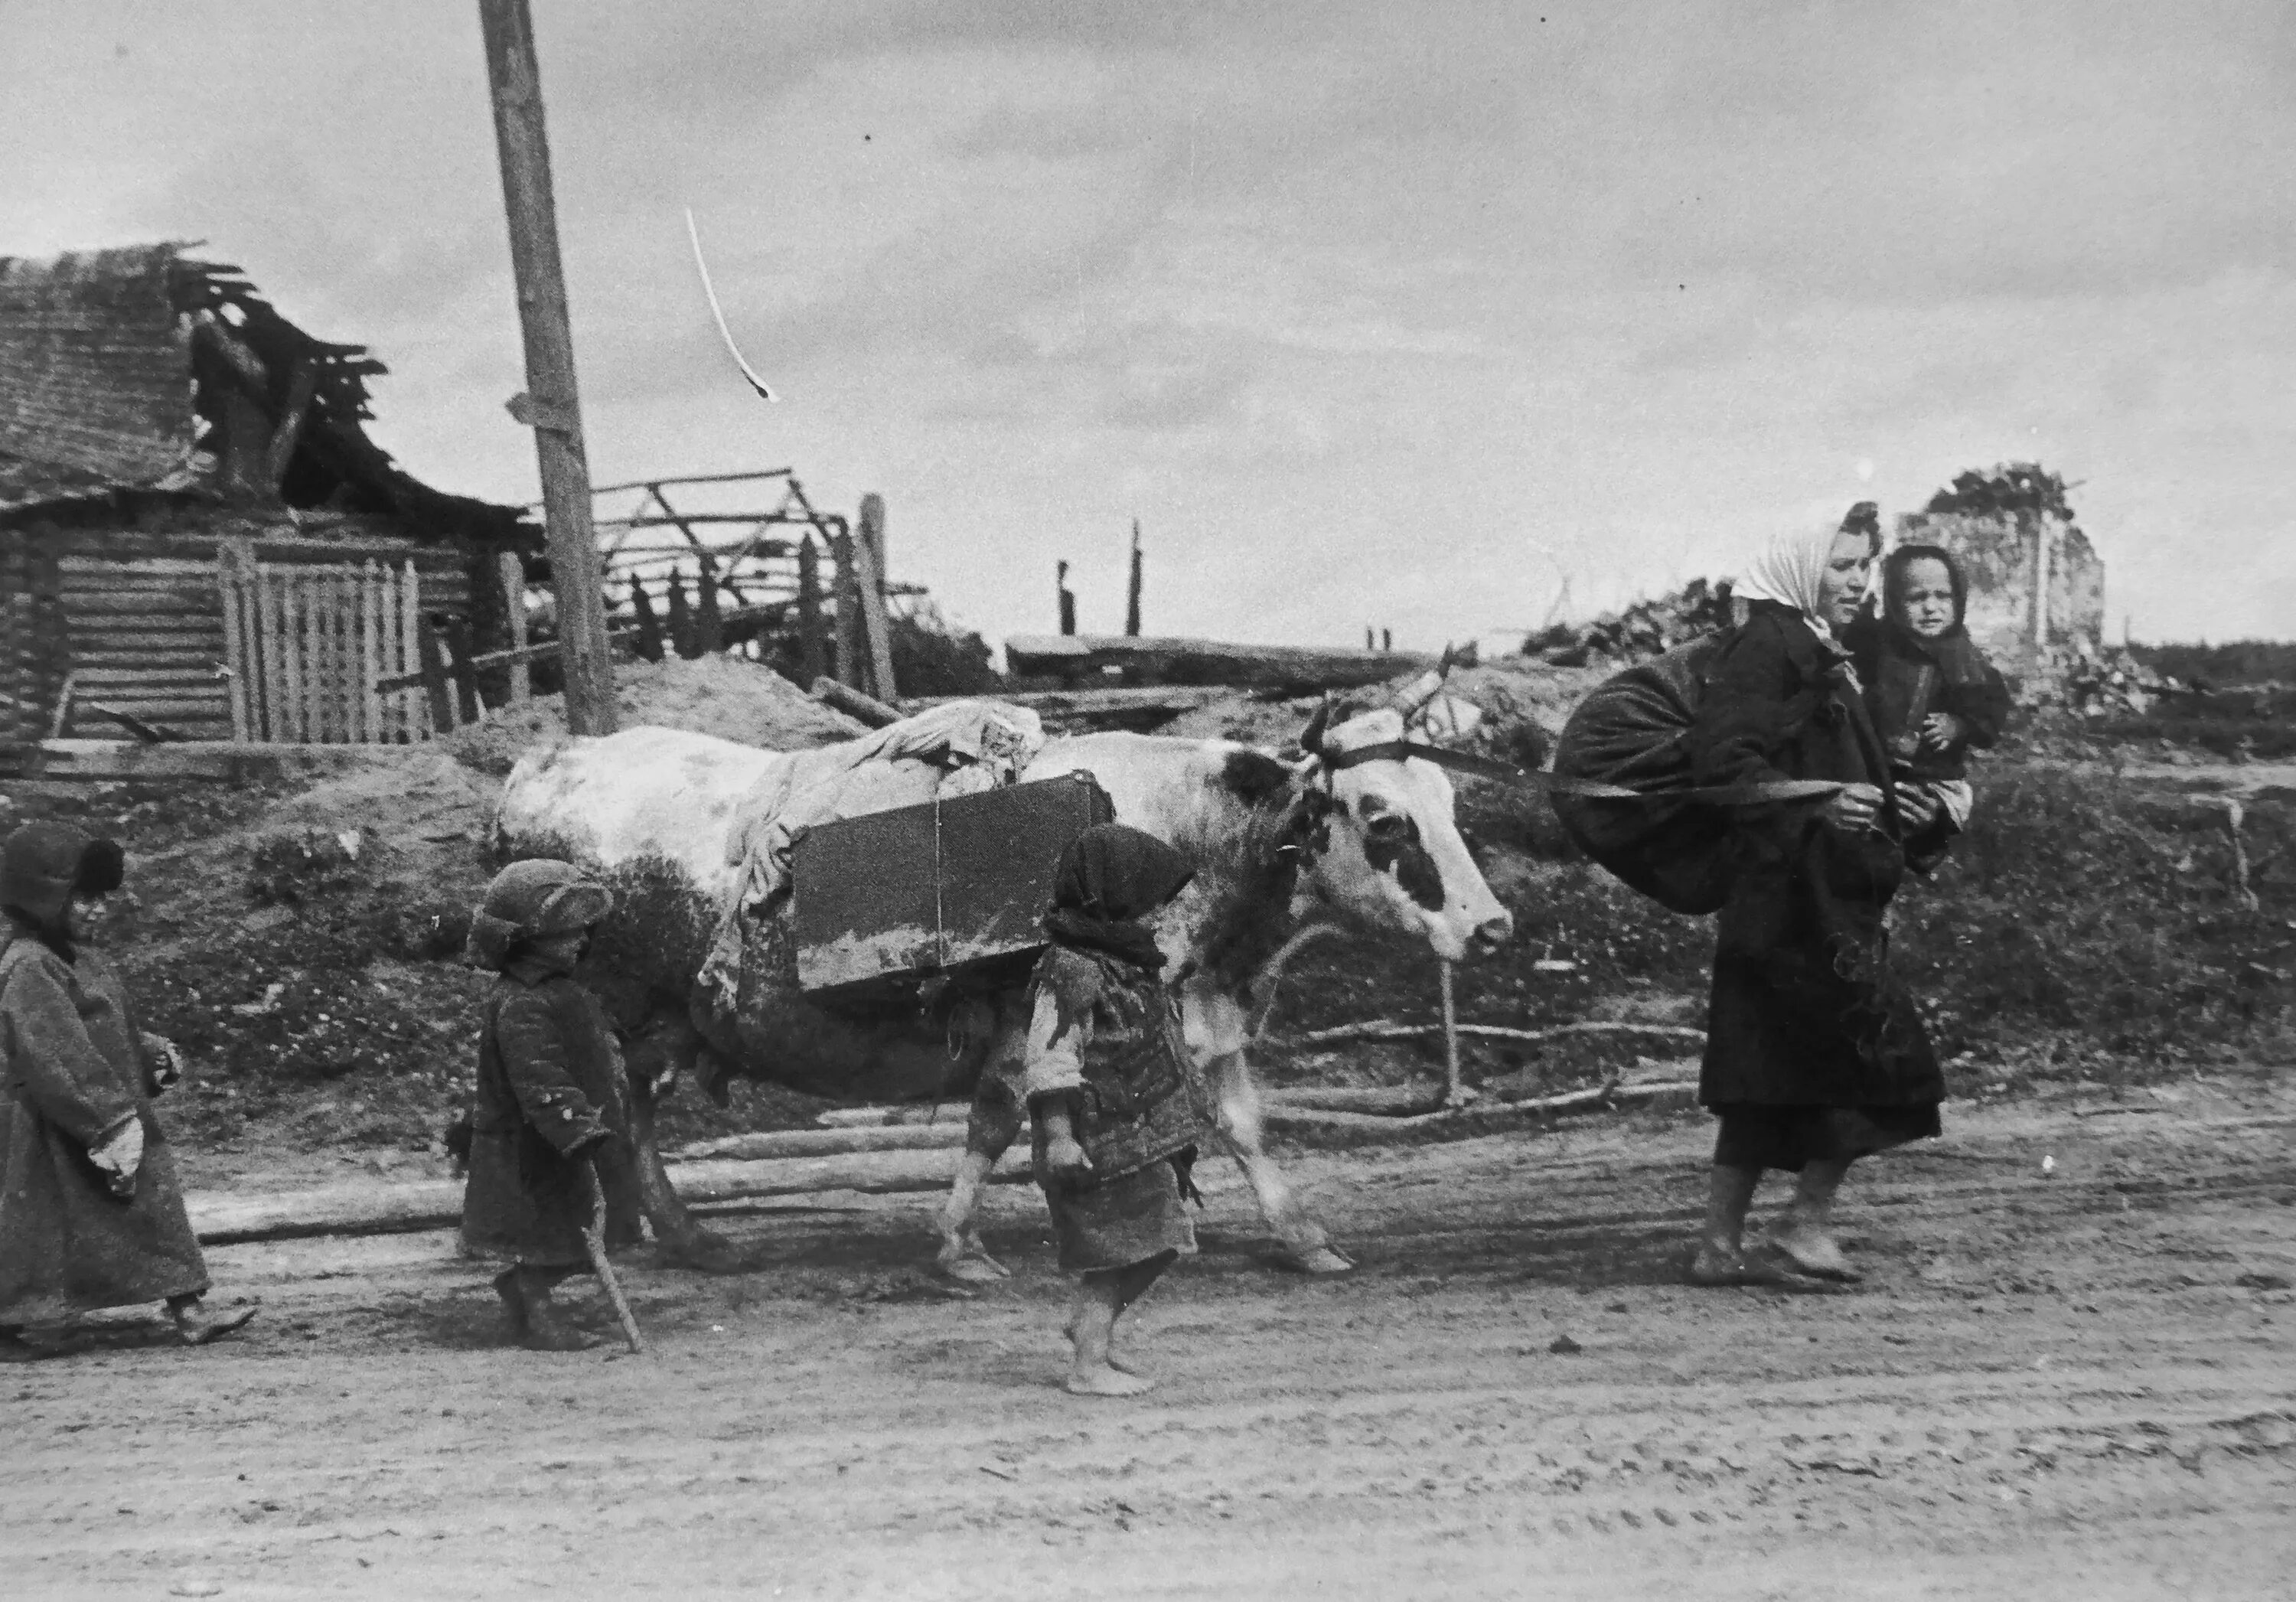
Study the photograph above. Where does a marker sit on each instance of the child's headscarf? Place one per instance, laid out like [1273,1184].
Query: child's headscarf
[1109,878]
[1790,570]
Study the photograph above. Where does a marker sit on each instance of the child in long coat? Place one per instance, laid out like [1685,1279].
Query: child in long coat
[1110,1087]
[91,1213]
[550,1115]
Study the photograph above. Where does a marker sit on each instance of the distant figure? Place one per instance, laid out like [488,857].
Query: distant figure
[1815,1054]
[1933,696]
[550,1117]
[1110,1088]
[91,1213]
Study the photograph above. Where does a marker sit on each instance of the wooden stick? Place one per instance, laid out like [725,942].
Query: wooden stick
[594,1242]
[1452,1095]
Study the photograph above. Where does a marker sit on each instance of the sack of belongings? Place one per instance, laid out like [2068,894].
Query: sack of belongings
[1630,731]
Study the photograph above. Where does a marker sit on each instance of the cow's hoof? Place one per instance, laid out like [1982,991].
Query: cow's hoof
[1322,1260]
[974,1268]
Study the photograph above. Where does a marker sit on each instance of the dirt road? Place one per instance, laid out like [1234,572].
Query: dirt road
[2077,1385]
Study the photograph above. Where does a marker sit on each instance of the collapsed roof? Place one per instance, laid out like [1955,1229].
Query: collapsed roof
[141,369]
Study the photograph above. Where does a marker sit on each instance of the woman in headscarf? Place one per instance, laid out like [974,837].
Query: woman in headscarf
[1110,1090]
[1815,1054]
[91,1213]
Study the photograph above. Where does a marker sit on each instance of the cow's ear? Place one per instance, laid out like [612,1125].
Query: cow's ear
[1251,777]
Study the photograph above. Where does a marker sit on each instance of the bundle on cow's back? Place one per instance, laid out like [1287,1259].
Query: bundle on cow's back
[1631,732]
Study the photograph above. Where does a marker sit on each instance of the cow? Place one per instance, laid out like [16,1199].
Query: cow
[1279,847]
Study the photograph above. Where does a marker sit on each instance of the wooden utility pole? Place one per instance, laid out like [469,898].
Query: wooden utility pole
[1132,591]
[549,406]
[1067,599]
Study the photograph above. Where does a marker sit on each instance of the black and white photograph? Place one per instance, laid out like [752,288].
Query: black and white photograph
[1112,801]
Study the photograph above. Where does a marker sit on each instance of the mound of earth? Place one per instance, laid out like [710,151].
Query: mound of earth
[722,695]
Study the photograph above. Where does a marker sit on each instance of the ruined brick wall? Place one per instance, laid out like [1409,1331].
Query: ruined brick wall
[1997,551]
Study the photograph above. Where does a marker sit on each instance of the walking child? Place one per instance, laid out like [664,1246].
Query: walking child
[550,1116]
[91,1212]
[1110,1092]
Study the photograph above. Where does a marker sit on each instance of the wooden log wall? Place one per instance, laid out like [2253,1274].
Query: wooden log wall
[143,623]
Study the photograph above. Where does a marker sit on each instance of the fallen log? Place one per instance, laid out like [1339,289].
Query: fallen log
[1391,1101]
[1297,668]
[1485,1118]
[1385,1029]
[382,1208]
[832,1142]
[849,1118]
[853,703]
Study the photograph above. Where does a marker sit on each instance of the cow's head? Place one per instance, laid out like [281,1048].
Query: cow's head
[1377,843]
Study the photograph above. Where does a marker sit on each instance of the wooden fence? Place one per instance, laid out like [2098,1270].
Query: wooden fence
[307,647]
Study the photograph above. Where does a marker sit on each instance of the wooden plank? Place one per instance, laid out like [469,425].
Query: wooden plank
[370,656]
[416,708]
[234,645]
[468,708]
[849,671]
[1293,668]
[293,657]
[513,572]
[435,686]
[813,645]
[302,382]
[869,585]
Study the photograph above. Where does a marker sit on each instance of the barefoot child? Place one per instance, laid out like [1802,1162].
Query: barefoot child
[550,1115]
[1109,1088]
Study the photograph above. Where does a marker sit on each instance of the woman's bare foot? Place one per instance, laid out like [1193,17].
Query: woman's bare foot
[1817,1255]
[1104,1380]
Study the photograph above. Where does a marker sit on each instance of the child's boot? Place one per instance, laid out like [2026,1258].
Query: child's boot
[547,1328]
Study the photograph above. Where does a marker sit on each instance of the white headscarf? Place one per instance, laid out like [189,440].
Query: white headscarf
[1791,571]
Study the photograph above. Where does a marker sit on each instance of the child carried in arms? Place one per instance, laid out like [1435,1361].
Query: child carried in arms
[549,1143]
[1110,1092]
[1933,696]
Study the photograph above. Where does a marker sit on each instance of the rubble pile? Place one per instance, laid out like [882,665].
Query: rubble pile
[2115,683]
[1646,630]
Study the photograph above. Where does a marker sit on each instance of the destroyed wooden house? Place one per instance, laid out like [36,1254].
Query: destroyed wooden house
[198,539]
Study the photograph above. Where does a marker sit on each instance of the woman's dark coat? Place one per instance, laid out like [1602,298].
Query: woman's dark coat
[75,1070]
[1804,1010]
[551,1096]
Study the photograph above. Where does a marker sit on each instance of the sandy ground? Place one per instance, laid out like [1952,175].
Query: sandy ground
[2077,1385]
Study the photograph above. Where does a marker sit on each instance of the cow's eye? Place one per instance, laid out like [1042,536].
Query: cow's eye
[1386,826]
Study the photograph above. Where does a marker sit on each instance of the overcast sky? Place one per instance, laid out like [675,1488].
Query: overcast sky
[1372,311]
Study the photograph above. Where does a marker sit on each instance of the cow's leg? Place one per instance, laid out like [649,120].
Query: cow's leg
[1238,1129]
[656,1059]
[989,1130]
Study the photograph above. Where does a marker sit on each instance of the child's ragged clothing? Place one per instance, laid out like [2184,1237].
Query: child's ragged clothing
[1105,1034]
